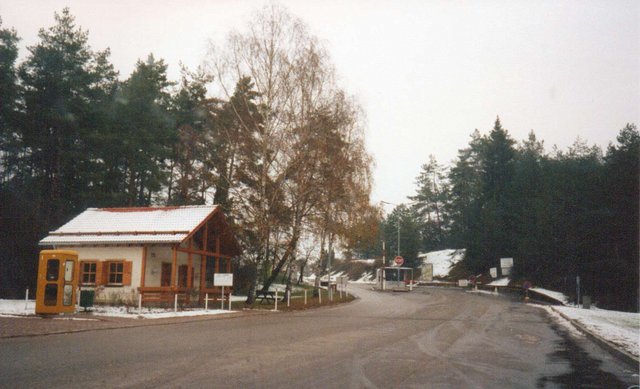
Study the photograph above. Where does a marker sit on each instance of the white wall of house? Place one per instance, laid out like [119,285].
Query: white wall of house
[127,294]
[156,255]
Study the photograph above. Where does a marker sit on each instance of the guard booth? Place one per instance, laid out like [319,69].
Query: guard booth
[395,278]
[57,281]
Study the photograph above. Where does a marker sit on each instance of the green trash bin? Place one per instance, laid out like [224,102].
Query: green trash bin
[86,298]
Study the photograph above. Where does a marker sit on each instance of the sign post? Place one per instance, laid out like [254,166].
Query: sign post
[506,265]
[223,279]
[526,285]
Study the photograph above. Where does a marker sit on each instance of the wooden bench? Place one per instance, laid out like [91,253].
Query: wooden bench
[268,295]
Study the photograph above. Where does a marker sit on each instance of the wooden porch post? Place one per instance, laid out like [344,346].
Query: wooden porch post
[189,271]
[144,265]
[217,254]
[203,261]
[174,264]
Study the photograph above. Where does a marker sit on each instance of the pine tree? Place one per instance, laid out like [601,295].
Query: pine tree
[143,133]
[429,203]
[190,176]
[622,172]
[64,87]
[9,96]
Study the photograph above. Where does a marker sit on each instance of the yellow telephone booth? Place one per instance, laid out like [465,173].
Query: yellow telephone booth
[57,281]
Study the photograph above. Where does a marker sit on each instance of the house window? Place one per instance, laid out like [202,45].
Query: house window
[165,275]
[116,272]
[88,272]
[182,276]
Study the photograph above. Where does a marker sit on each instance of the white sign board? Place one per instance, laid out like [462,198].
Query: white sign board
[506,262]
[427,272]
[223,279]
[494,272]
[506,271]
[463,283]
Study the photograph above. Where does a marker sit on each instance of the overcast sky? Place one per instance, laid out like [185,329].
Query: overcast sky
[427,73]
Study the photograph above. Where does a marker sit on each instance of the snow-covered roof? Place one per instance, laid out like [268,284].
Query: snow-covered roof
[130,225]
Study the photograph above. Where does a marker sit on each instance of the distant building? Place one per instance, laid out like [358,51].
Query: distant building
[157,252]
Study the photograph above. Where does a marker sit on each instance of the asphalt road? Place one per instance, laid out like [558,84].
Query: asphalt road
[430,338]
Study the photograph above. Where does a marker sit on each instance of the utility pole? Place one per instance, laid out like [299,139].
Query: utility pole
[398,235]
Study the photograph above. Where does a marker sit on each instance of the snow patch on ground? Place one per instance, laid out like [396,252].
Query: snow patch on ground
[442,260]
[365,278]
[365,261]
[153,313]
[500,282]
[619,328]
[553,294]
[16,308]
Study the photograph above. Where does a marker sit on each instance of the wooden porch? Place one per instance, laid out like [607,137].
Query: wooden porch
[213,245]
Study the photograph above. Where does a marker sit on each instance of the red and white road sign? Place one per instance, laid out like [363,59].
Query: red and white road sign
[398,260]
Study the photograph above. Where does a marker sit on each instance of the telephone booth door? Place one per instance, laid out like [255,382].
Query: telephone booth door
[57,281]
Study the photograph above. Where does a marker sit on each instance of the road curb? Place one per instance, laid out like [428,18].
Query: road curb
[613,349]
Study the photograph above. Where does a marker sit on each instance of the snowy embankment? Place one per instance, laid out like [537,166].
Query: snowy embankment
[558,296]
[619,328]
[442,260]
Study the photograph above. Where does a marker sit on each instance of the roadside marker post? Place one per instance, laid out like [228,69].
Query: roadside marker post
[139,304]
[305,297]
[175,303]
[230,293]
[26,299]
[206,301]
[276,300]
[222,299]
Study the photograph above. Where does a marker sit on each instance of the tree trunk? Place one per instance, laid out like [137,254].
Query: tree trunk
[302,266]
[251,293]
[288,254]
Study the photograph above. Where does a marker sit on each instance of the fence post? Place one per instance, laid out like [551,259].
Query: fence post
[222,299]
[26,299]
[276,300]
[305,297]
[175,302]
[320,295]
[206,301]
[289,298]
[230,293]
[139,303]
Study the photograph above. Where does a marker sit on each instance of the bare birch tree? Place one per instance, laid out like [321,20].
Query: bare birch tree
[301,133]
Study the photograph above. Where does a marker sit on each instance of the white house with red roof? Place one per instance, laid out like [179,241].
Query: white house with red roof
[158,252]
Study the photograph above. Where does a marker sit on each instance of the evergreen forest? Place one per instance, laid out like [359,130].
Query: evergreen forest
[265,131]
[560,214]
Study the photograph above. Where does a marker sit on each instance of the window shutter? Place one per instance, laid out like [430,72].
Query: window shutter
[99,273]
[126,276]
[104,268]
